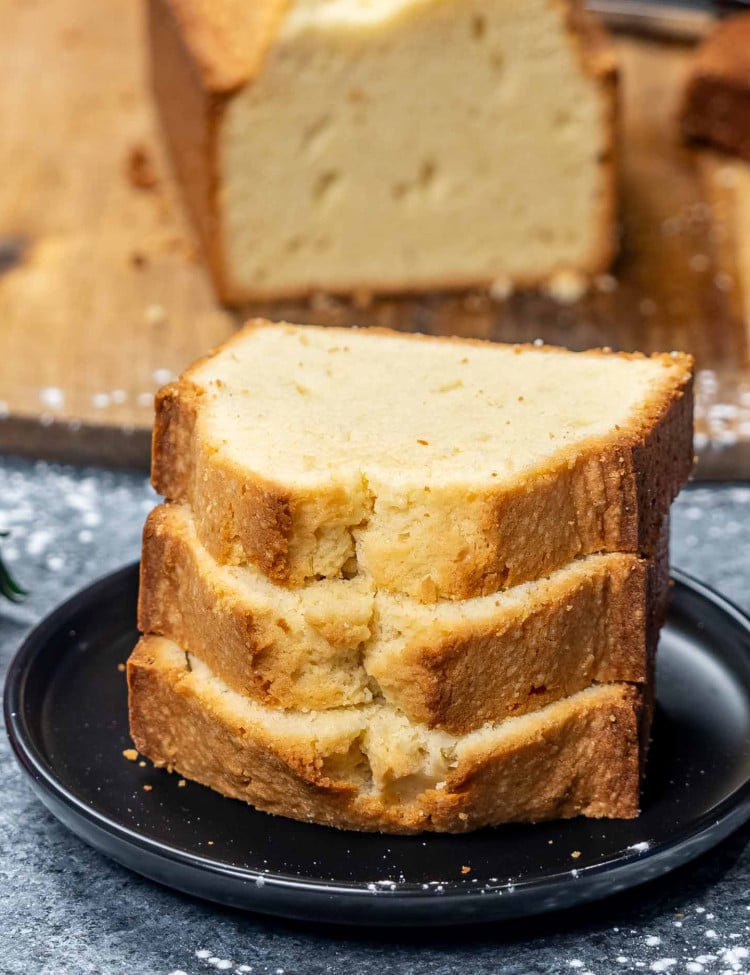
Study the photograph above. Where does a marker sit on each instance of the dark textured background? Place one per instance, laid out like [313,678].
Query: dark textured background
[66,910]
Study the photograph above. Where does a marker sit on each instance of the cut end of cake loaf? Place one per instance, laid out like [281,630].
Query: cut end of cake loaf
[453,664]
[438,468]
[369,768]
[418,171]
[716,104]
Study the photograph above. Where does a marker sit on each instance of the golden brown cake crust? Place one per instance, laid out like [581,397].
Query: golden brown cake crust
[610,494]
[203,51]
[595,772]
[716,105]
[598,627]
[604,633]
[249,644]
[227,39]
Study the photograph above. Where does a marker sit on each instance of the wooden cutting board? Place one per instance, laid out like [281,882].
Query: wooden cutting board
[103,296]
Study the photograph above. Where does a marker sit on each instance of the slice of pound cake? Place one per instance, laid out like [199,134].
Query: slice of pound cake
[451,664]
[438,468]
[368,768]
[333,145]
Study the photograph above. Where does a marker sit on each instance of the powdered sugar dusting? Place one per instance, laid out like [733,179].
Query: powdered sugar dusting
[640,847]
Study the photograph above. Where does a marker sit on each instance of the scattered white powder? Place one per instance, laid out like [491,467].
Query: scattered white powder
[653,940]
[726,438]
[723,281]
[663,964]
[202,953]
[726,177]
[575,963]
[567,287]
[700,441]
[606,283]
[734,957]
[723,411]
[162,376]
[640,847]
[694,966]
[52,397]
[39,540]
[501,288]
[710,933]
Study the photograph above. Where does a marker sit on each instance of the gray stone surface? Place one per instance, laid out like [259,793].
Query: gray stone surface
[66,909]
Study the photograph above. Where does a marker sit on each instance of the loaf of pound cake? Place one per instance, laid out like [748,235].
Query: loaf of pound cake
[409,584]
[401,145]
[716,104]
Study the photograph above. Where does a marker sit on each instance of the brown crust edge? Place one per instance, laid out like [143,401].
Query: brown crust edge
[452,684]
[190,110]
[596,769]
[715,106]
[249,646]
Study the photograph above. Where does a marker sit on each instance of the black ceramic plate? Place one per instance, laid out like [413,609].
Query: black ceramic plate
[65,704]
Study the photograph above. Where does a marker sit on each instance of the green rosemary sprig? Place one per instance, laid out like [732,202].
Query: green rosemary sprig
[8,585]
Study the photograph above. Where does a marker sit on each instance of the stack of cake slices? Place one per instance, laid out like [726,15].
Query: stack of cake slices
[405,584]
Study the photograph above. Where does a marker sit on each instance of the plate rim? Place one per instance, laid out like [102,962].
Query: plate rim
[699,833]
